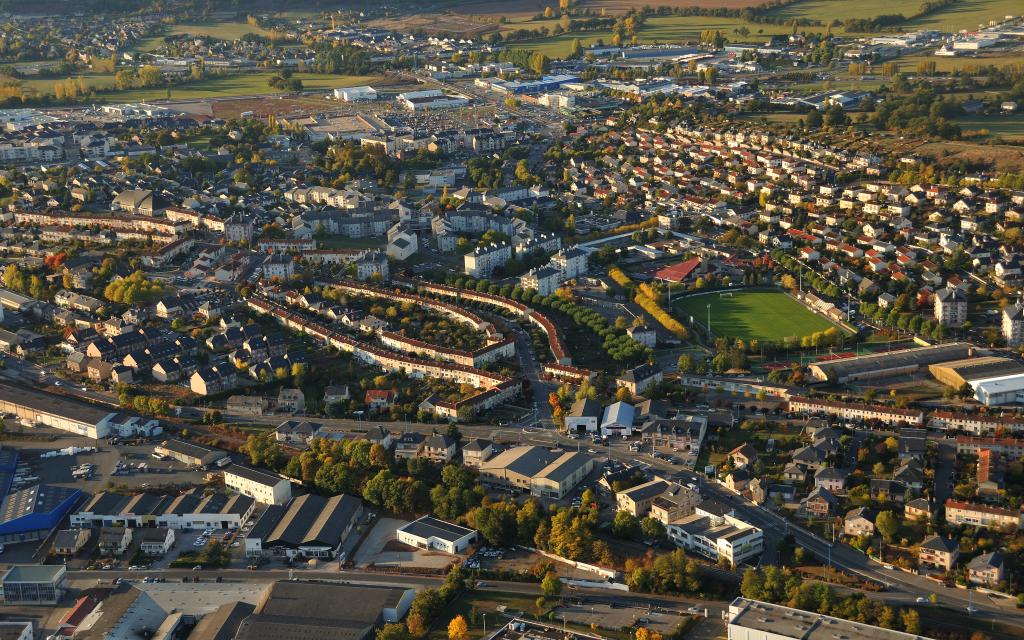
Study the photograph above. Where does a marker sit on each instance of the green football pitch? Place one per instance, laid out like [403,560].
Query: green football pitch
[752,315]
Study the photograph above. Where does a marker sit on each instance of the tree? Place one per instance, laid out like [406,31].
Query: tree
[652,528]
[625,525]
[458,629]
[393,631]
[887,525]
[911,621]
[551,586]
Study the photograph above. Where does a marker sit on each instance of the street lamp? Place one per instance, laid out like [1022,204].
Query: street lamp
[709,322]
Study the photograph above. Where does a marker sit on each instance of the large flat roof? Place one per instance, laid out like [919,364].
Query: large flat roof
[34,573]
[784,622]
[53,404]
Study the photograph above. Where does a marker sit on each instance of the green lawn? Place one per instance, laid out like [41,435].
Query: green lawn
[656,30]
[1008,126]
[240,84]
[825,11]
[223,30]
[753,315]
[966,14]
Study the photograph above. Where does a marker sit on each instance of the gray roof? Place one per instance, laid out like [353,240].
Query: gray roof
[431,527]
[585,408]
[254,475]
[938,543]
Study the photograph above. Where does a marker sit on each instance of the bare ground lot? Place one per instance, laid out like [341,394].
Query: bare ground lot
[435,24]
[382,549]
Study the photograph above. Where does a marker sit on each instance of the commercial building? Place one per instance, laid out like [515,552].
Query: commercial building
[891,363]
[993,392]
[356,94]
[194,455]
[548,473]
[261,486]
[33,513]
[34,584]
[311,526]
[61,412]
[430,99]
[957,373]
[618,419]
[306,610]
[717,536]
[583,416]
[755,620]
[430,533]
[189,510]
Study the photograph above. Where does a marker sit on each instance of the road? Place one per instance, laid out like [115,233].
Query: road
[84,579]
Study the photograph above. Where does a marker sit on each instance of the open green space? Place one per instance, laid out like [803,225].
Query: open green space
[946,64]
[965,14]
[240,84]
[825,11]
[753,315]
[658,29]
[224,30]
[997,125]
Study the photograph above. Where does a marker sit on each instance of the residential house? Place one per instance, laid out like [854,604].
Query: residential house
[819,503]
[937,552]
[860,522]
[988,569]
[114,541]
[156,541]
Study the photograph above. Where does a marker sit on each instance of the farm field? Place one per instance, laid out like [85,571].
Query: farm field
[965,14]
[825,11]
[658,29]
[945,64]
[753,315]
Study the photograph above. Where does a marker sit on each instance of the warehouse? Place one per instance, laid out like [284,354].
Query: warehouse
[193,455]
[1001,390]
[548,473]
[756,620]
[356,94]
[890,363]
[432,534]
[261,486]
[34,584]
[33,513]
[189,510]
[61,412]
[311,526]
[957,373]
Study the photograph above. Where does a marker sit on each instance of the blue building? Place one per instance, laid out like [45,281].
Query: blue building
[31,514]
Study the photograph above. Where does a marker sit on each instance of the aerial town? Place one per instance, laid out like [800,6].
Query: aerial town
[487,321]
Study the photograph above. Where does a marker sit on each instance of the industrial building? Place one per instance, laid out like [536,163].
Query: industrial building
[34,407]
[756,620]
[430,533]
[548,473]
[430,99]
[356,94]
[31,514]
[957,373]
[261,486]
[189,510]
[193,455]
[304,610]
[311,526]
[888,364]
[34,584]
[1001,390]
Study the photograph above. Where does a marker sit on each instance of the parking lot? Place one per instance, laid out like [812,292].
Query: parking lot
[129,465]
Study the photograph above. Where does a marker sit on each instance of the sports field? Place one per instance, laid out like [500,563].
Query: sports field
[752,315]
